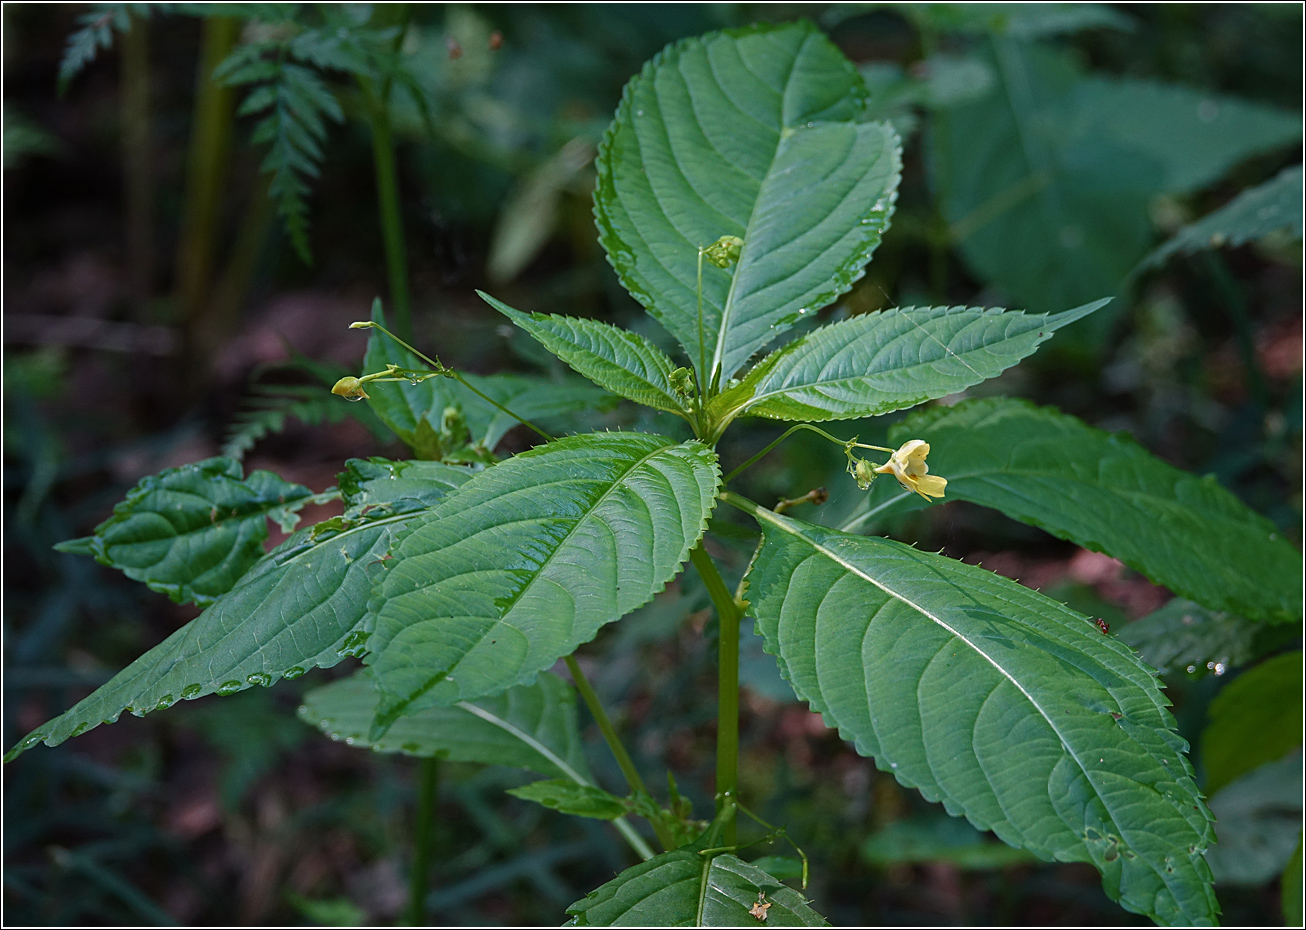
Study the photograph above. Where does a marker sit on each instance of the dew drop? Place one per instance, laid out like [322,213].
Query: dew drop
[31,741]
[349,741]
[291,674]
[410,747]
[190,691]
[893,765]
[357,397]
[165,702]
[1219,668]
[229,687]
[262,679]
[81,728]
[1191,669]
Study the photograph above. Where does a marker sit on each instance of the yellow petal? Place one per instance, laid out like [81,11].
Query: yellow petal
[931,485]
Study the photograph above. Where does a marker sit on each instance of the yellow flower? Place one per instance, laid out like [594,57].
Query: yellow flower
[908,466]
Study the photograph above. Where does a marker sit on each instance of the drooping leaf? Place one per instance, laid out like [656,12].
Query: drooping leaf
[529,559]
[753,133]
[568,797]
[1255,719]
[885,361]
[682,888]
[939,839]
[1107,493]
[1003,704]
[615,359]
[531,727]
[1253,214]
[1260,817]
[1046,180]
[302,606]
[1185,637]
[192,532]
[403,406]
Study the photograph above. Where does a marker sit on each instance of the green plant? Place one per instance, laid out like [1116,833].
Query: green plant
[740,190]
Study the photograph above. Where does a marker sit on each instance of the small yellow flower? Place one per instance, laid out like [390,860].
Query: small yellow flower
[349,388]
[908,466]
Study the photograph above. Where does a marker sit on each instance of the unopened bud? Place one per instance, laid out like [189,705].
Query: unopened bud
[725,251]
[350,388]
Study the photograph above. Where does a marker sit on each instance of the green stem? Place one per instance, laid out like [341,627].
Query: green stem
[727,733]
[392,230]
[138,173]
[428,790]
[1237,306]
[624,762]
[450,373]
[846,443]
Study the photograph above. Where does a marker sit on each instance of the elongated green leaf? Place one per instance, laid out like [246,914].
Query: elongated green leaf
[1045,181]
[302,606]
[682,888]
[881,362]
[620,361]
[1003,704]
[1257,212]
[192,532]
[939,839]
[568,797]
[1291,883]
[753,133]
[1260,817]
[1185,637]
[1107,493]
[402,406]
[530,727]
[1255,719]
[529,559]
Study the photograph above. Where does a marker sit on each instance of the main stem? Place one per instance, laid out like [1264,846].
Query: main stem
[727,733]
[392,230]
[428,789]
[624,762]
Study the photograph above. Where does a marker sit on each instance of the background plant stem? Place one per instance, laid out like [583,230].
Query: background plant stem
[138,173]
[626,764]
[727,733]
[428,791]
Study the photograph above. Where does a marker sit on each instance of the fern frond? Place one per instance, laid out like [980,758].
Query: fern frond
[96,32]
[268,408]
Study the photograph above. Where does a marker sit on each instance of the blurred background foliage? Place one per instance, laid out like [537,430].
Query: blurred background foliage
[182,256]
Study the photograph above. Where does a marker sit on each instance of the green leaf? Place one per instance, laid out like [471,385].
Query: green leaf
[1003,704]
[939,839]
[1259,823]
[529,559]
[753,133]
[568,797]
[1045,181]
[619,361]
[1291,883]
[885,361]
[302,606]
[1021,20]
[1253,214]
[529,727]
[683,888]
[192,532]
[402,406]
[377,485]
[1183,636]
[1256,718]
[1107,493]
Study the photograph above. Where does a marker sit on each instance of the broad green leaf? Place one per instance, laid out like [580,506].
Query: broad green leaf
[1021,20]
[1107,493]
[1185,637]
[619,361]
[302,606]
[529,727]
[568,797]
[1003,704]
[404,407]
[529,559]
[1259,823]
[1045,181]
[377,484]
[683,888]
[1256,718]
[885,361]
[1193,135]
[939,839]
[1253,214]
[192,532]
[754,133]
